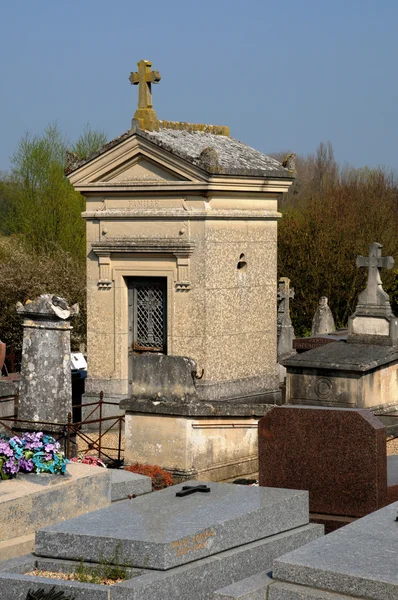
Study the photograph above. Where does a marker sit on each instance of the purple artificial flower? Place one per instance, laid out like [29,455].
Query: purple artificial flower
[26,464]
[33,441]
[49,447]
[16,440]
[10,466]
[5,449]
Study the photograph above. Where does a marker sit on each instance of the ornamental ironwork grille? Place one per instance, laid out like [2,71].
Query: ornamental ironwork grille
[149,316]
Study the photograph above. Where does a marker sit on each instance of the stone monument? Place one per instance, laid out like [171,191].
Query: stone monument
[181,260]
[323,321]
[357,562]
[373,321]
[285,327]
[45,392]
[180,542]
[338,455]
[361,371]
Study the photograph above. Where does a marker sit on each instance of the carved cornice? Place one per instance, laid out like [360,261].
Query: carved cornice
[181,249]
[144,246]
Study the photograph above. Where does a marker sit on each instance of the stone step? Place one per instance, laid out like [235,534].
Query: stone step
[125,484]
[250,588]
[32,501]
[287,591]
[17,546]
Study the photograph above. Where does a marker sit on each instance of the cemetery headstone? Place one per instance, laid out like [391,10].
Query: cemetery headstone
[361,371]
[323,321]
[285,327]
[357,562]
[173,546]
[339,455]
[373,321]
[45,387]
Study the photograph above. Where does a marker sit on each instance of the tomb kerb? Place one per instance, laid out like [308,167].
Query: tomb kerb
[181,255]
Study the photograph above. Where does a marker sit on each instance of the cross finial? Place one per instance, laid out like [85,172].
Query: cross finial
[374,293]
[144,79]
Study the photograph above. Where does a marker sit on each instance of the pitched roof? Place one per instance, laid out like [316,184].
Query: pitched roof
[233,157]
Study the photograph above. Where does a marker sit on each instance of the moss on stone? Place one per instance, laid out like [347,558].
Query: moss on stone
[191,127]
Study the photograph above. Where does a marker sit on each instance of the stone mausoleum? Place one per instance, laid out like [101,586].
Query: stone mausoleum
[181,260]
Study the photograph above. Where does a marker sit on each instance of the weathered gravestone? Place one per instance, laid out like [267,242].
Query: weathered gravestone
[174,546]
[363,371]
[285,327]
[46,385]
[323,321]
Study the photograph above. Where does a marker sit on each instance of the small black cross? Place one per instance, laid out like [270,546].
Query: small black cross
[191,489]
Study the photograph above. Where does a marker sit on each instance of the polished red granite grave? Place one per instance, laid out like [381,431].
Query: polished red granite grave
[338,454]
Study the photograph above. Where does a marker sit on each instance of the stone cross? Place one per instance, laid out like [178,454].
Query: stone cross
[285,292]
[187,490]
[144,79]
[374,293]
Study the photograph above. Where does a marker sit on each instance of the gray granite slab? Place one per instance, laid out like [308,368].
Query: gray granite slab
[340,356]
[14,583]
[197,580]
[287,591]
[360,559]
[200,579]
[124,484]
[161,531]
[250,588]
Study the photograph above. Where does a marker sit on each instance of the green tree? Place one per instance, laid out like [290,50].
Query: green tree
[89,141]
[40,204]
[332,216]
[26,275]
[42,249]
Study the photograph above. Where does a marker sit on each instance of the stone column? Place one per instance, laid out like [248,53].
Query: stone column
[46,385]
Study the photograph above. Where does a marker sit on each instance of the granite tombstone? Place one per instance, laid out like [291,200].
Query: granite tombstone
[173,546]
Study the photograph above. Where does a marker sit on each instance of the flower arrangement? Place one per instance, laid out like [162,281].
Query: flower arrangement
[86,459]
[30,453]
[160,477]
[8,462]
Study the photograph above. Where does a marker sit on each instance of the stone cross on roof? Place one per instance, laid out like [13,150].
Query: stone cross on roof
[144,79]
[374,294]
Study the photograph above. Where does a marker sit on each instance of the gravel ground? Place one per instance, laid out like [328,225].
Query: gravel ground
[392,446]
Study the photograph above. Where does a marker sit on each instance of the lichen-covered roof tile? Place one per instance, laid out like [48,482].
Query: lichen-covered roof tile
[234,157]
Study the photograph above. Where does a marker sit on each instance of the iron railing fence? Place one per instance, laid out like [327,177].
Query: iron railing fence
[66,433]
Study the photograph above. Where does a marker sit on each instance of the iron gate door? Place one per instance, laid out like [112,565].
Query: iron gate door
[148,314]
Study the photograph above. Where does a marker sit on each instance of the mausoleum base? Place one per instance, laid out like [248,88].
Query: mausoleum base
[208,441]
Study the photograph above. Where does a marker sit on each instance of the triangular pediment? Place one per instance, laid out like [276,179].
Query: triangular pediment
[135,160]
[142,169]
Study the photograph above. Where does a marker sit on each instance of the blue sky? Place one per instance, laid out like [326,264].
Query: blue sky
[282,75]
